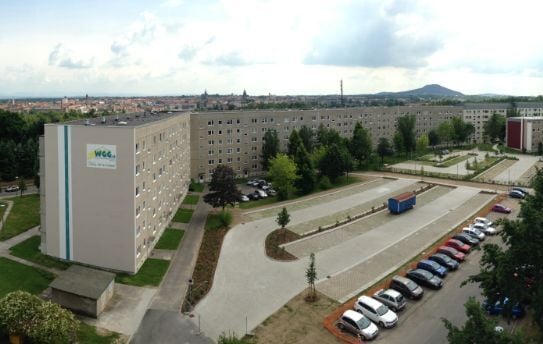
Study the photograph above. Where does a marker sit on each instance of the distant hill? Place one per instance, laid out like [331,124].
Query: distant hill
[433,90]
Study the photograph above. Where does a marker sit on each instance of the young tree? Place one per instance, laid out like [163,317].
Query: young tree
[283,218]
[335,162]
[308,138]
[311,277]
[22,186]
[384,148]
[294,141]
[406,128]
[445,132]
[283,174]
[360,144]
[398,143]
[422,143]
[461,130]
[327,137]
[305,183]
[433,138]
[478,328]
[494,128]
[223,188]
[270,148]
[540,148]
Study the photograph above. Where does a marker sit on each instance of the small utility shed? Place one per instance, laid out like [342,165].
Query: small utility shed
[83,290]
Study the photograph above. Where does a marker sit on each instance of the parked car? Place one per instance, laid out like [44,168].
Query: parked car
[484,221]
[524,191]
[487,230]
[433,267]
[457,244]
[271,192]
[516,194]
[252,182]
[261,194]
[444,260]
[518,310]
[253,196]
[392,298]
[452,253]
[406,287]
[12,188]
[358,324]
[376,311]
[500,208]
[466,239]
[244,198]
[425,278]
[474,232]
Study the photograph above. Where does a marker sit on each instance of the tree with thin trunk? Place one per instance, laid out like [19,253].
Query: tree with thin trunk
[311,277]
[270,148]
[283,218]
[22,186]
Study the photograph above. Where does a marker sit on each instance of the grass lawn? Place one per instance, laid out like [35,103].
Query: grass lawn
[213,222]
[24,215]
[196,187]
[150,273]
[191,199]
[88,334]
[170,239]
[183,215]
[483,165]
[258,203]
[29,250]
[17,276]
[453,161]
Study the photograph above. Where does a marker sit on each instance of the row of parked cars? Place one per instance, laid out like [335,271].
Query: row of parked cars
[380,309]
[263,190]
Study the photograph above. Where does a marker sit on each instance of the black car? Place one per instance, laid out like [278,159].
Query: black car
[406,287]
[466,239]
[253,196]
[425,278]
[444,260]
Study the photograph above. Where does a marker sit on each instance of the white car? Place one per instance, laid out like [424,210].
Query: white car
[484,228]
[358,324]
[376,311]
[483,220]
[261,193]
[474,232]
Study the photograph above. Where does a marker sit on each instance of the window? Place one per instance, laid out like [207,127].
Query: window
[137,148]
[137,191]
[210,122]
[137,169]
[138,210]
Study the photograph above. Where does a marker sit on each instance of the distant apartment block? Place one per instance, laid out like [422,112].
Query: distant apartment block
[111,186]
[524,133]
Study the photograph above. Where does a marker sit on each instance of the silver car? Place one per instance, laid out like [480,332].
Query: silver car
[392,298]
[358,324]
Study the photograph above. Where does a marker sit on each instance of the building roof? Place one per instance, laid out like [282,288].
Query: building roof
[484,106]
[83,281]
[126,120]
[529,105]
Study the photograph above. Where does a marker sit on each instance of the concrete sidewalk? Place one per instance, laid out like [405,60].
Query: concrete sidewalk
[516,171]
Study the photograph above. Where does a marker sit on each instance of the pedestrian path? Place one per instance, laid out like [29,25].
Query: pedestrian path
[516,171]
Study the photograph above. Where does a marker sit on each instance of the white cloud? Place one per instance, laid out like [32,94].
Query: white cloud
[62,57]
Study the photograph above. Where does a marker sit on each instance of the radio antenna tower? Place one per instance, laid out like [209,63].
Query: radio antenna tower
[341,88]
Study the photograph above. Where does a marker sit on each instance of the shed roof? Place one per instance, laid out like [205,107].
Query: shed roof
[83,281]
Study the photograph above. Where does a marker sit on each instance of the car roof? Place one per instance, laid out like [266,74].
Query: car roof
[369,301]
[352,315]
[441,255]
[392,293]
[401,279]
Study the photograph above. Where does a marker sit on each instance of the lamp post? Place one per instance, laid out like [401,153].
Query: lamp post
[2,217]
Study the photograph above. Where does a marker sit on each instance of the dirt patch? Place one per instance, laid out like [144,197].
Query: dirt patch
[297,322]
[277,238]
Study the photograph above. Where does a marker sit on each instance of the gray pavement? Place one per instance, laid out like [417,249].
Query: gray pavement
[457,169]
[248,286]
[516,171]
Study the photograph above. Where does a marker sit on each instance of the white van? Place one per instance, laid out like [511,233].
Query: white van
[376,311]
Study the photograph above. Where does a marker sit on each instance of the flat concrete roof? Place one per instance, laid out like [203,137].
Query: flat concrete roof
[126,119]
[83,281]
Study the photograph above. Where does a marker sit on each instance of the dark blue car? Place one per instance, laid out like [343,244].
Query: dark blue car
[433,267]
[497,308]
[445,261]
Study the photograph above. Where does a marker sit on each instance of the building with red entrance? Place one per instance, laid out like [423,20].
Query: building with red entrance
[524,133]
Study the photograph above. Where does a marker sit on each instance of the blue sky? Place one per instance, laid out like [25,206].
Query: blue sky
[173,47]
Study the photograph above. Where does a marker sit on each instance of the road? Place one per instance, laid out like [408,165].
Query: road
[421,321]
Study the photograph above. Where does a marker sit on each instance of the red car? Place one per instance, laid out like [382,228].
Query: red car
[457,244]
[500,208]
[451,252]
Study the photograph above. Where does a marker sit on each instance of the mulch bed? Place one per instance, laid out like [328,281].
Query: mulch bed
[277,238]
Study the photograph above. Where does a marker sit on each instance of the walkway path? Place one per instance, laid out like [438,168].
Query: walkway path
[516,171]
[6,212]
[248,286]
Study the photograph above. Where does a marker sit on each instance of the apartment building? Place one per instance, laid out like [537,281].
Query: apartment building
[479,113]
[234,138]
[110,186]
[524,133]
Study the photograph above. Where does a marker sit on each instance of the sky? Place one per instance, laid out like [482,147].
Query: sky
[182,47]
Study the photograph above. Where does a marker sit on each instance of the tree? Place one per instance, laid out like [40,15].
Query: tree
[422,143]
[305,183]
[360,144]
[445,132]
[540,148]
[398,142]
[516,268]
[294,141]
[283,174]
[383,148]
[22,186]
[433,138]
[308,138]
[406,128]
[478,328]
[461,130]
[494,128]
[327,137]
[311,277]
[270,148]
[223,188]
[283,218]
[53,324]
[335,162]
[18,311]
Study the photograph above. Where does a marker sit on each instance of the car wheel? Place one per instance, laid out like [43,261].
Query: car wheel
[382,324]
[394,309]
[341,326]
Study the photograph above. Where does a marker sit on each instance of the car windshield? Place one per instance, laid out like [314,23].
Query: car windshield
[363,323]
[425,274]
[411,285]
[382,310]
[433,264]
[476,230]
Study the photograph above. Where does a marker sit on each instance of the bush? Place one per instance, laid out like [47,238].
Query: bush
[325,183]
[53,324]
[225,218]
[17,312]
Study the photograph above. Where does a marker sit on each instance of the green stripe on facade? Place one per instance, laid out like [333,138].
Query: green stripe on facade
[67,192]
